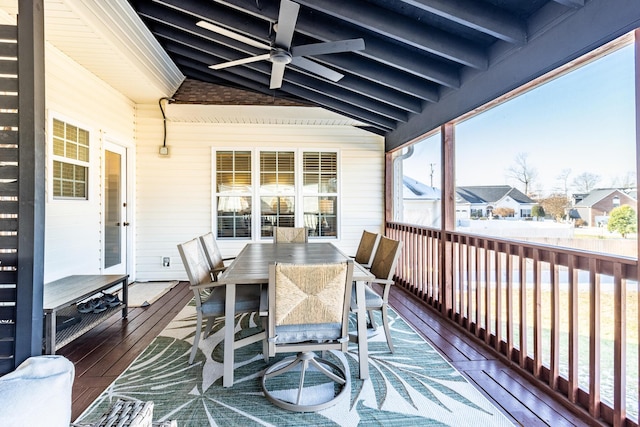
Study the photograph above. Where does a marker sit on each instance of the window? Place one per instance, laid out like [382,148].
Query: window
[290,189]
[320,176]
[70,161]
[233,193]
[277,191]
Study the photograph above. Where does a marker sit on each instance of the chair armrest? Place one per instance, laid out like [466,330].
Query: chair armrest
[229,259]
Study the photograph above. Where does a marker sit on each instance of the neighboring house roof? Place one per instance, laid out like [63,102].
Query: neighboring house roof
[597,195]
[491,194]
[484,194]
[414,189]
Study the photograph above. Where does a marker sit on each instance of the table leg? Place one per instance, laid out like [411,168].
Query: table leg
[125,297]
[363,345]
[229,320]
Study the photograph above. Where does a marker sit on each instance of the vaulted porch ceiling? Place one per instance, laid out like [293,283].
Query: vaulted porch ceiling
[417,52]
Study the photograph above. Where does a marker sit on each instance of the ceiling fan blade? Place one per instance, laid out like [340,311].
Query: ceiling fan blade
[240,61]
[277,74]
[316,68]
[287,18]
[328,47]
[232,35]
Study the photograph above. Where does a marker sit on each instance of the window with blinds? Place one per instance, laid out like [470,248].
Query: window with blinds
[233,194]
[288,189]
[320,193]
[70,161]
[277,190]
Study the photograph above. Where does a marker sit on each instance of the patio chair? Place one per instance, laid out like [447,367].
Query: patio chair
[290,235]
[212,305]
[213,255]
[308,311]
[367,248]
[382,267]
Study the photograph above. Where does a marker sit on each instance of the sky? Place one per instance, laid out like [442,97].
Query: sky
[583,121]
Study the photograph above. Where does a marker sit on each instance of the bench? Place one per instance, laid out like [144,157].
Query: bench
[61,296]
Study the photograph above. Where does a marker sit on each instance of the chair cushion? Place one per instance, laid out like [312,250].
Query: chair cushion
[312,332]
[373,299]
[247,300]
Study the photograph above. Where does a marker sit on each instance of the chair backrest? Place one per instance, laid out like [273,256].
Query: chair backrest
[290,235]
[194,261]
[211,251]
[367,248]
[386,258]
[310,294]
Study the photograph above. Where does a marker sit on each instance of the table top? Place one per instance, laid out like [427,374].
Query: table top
[252,263]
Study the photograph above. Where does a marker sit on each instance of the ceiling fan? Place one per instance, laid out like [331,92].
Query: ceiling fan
[280,53]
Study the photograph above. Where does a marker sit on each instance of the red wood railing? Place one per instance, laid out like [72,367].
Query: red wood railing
[543,307]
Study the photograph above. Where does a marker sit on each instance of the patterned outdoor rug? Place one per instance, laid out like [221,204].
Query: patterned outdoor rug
[414,386]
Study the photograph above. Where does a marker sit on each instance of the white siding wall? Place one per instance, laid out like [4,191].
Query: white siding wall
[73,236]
[173,202]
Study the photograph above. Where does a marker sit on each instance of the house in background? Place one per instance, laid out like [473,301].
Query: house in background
[482,201]
[598,204]
[421,202]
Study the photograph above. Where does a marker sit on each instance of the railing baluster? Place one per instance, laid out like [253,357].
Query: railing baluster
[487,295]
[469,269]
[537,315]
[509,304]
[594,339]
[555,322]
[574,331]
[523,306]
[478,288]
[498,268]
[619,347]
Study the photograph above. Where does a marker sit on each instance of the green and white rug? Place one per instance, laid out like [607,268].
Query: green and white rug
[414,386]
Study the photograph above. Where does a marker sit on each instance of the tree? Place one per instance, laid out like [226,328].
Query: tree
[504,212]
[563,177]
[538,212]
[523,172]
[555,205]
[585,182]
[623,220]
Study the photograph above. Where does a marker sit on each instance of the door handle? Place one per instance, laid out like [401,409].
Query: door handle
[125,224]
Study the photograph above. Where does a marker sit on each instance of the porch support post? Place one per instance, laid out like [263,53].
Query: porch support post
[637,76]
[31,194]
[448,211]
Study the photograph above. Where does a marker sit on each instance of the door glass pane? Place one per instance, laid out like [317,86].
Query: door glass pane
[113,220]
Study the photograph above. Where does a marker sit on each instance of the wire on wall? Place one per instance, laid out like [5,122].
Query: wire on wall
[164,150]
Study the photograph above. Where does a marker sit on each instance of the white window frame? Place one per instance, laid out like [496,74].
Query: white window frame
[90,164]
[298,193]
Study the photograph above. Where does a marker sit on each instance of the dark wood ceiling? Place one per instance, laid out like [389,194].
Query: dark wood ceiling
[417,52]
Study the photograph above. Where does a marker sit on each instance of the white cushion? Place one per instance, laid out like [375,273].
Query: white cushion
[37,393]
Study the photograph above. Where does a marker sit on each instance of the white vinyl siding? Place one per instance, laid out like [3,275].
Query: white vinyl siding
[175,192]
[73,238]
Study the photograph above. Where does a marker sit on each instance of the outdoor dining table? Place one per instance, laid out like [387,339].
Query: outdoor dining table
[251,266]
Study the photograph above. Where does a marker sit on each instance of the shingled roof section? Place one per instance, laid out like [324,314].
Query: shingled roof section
[193,91]
[491,194]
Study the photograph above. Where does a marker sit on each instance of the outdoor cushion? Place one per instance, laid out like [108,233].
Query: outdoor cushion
[371,296]
[247,300]
[290,334]
[37,393]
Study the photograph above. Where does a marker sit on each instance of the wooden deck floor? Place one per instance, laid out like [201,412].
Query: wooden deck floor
[104,352]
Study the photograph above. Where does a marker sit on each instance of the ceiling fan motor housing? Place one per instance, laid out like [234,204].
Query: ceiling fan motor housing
[280,56]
